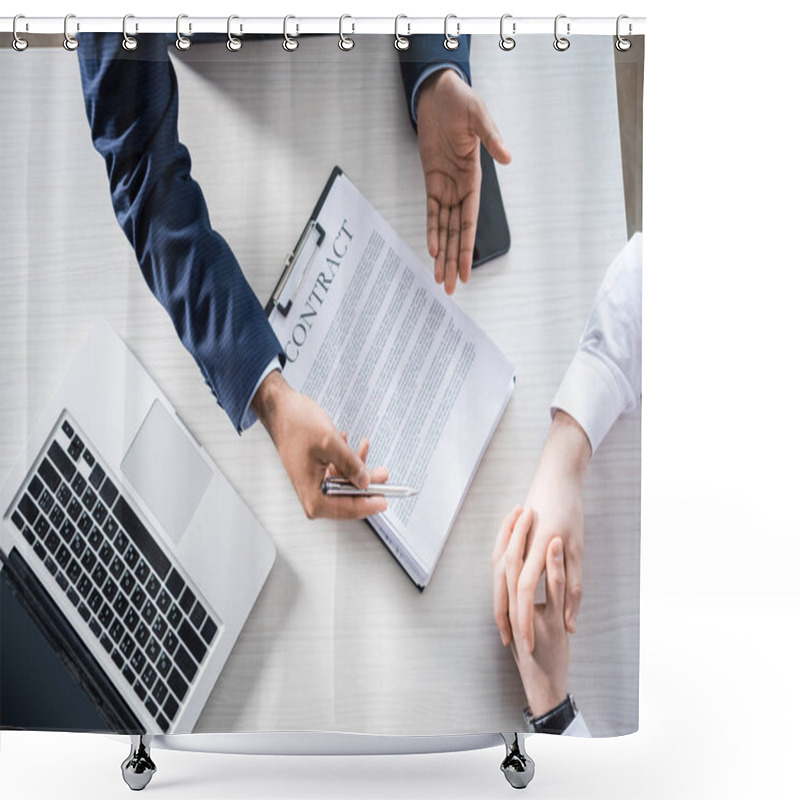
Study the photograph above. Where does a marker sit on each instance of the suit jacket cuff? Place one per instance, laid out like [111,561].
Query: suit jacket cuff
[424,75]
[425,52]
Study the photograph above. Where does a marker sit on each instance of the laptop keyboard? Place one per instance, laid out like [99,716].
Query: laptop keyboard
[134,600]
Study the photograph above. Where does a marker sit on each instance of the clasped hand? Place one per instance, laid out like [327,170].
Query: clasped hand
[553,508]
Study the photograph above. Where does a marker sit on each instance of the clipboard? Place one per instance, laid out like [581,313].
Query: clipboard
[297,260]
[492,237]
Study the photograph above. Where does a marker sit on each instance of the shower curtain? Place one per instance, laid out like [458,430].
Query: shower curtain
[157,190]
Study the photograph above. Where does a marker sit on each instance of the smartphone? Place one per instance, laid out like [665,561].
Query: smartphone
[492,237]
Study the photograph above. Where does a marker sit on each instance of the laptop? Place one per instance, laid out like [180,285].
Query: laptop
[134,559]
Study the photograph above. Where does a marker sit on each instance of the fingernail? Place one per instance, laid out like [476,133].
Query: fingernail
[363,478]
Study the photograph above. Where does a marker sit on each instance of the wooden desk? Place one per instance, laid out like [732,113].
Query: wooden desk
[339,638]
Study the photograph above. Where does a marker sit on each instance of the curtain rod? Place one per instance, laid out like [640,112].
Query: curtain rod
[350,25]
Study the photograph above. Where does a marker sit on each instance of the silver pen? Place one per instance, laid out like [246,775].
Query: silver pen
[341,487]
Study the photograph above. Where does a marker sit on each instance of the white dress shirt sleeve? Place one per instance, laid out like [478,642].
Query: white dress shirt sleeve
[578,727]
[604,379]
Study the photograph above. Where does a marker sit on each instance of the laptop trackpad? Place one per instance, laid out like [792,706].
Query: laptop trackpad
[165,468]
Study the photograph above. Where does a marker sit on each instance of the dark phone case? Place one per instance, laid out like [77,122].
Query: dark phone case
[492,237]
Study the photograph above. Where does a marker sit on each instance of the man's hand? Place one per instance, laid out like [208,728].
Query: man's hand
[310,448]
[553,508]
[543,672]
[452,121]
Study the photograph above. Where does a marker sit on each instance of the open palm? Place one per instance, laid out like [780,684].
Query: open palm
[452,121]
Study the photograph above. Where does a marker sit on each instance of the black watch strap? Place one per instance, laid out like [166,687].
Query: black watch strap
[556,721]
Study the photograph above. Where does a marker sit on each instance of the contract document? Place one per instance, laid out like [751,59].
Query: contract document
[372,338]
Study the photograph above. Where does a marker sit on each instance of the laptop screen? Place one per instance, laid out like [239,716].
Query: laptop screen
[39,684]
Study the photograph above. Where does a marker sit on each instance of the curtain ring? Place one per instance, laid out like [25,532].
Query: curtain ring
[128,42]
[182,43]
[561,43]
[401,42]
[450,42]
[233,44]
[622,44]
[290,44]
[507,42]
[345,42]
[18,43]
[70,42]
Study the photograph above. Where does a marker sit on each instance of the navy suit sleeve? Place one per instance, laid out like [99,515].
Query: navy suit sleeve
[131,101]
[428,52]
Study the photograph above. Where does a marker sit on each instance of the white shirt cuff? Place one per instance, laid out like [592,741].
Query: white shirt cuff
[426,73]
[578,727]
[594,393]
[249,416]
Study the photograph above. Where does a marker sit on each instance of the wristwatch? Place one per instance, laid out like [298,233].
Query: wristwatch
[556,721]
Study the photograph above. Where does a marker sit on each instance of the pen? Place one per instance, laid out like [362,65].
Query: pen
[341,487]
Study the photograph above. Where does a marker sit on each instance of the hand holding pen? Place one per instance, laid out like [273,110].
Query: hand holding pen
[312,450]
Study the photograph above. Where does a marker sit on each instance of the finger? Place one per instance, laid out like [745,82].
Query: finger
[444,221]
[345,460]
[453,246]
[555,580]
[526,590]
[433,227]
[574,593]
[490,136]
[377,475]
[504,534]
[349,507]
[331,471]
[515,553]
[499,587]
[469,226]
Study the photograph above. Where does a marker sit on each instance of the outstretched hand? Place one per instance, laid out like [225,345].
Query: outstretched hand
[452,121]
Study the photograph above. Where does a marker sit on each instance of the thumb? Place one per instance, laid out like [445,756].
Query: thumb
[346,461]
[490,136]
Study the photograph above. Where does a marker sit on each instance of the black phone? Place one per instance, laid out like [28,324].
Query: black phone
[492,236]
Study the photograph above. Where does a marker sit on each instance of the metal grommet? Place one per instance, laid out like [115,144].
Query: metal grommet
[233,44]
[561,43]
[622,44]
[18,43]
[182,43]
[345,42]
[128,42]
[290,44]
[450,42]
[70,42]
[401,42]
[506,42]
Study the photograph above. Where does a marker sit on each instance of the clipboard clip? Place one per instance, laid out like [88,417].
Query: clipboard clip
[301,256]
